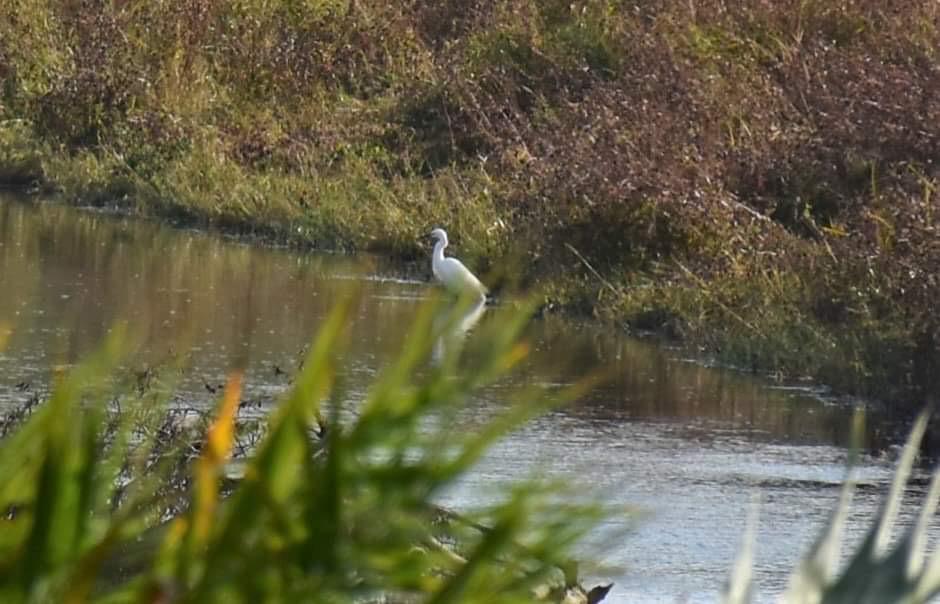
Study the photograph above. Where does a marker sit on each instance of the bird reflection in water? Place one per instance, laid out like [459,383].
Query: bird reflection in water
[453,322]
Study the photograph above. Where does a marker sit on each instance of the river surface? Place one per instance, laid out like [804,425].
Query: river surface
[686,444]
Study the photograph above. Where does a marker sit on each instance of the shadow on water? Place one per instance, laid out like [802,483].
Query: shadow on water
[687,442]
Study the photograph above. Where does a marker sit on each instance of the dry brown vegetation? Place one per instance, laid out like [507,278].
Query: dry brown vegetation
[755,177]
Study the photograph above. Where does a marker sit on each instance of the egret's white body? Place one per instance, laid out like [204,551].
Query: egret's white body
[451,272]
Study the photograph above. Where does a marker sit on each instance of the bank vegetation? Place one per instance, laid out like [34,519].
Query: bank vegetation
[754,178]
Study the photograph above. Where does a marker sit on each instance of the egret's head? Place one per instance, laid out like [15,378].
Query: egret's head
[439,235]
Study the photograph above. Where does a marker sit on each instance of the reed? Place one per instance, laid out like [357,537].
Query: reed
[879,570]
[107,498]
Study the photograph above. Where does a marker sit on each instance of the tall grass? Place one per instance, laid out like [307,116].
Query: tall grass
[106,497]
[878,571]
[334,503]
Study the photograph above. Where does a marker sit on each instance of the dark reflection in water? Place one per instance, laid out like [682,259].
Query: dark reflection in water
[70,276]
[648,382]
[687,442]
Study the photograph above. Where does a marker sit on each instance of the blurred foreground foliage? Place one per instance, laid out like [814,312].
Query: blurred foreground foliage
[885,568]
[109,496]
[108,501]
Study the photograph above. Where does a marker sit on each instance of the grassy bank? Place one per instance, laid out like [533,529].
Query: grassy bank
[757,179]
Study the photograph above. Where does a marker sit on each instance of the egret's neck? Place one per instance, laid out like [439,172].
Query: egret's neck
[439,250]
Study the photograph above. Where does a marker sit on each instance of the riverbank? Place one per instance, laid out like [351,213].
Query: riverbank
[757,181]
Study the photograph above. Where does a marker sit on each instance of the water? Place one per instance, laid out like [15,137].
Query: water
[686,444]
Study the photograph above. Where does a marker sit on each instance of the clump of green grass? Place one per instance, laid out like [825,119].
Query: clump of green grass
[326,508]
[119,505]
[877,571]
[20,154]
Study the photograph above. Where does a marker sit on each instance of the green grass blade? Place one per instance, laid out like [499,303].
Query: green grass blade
[740,586]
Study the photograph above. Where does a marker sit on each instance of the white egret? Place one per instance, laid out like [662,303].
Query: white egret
[451,272]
